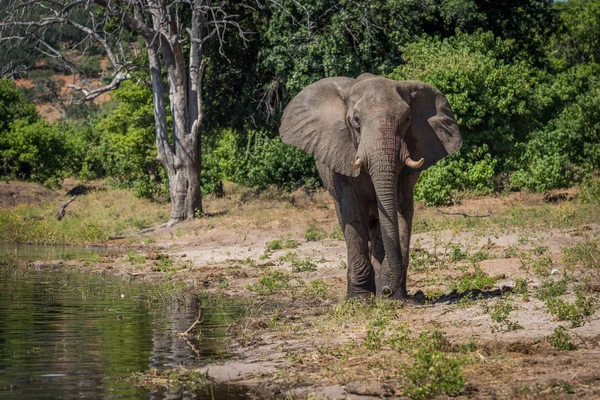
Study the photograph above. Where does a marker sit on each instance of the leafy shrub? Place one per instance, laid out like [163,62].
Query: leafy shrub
[561,339]
[493,99]
[272,283]
[473,172]
[564,149]
[473,281]
[36,151]
[127,147]
[314,233]
[259,161]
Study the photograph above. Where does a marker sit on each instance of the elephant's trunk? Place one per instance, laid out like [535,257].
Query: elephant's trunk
[386,185]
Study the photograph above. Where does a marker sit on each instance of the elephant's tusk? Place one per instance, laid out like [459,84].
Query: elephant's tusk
[414,164]
[357,164]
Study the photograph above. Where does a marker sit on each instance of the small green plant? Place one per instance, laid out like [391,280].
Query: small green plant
[420,259]
[67,255]
[305,265]
[317,288]
[479,256]
[542,266]
[433,371]
[567,388]
[135,258]
[282,243]
[457,254]
[376,329]
[521,287]
[337,233]
[272,283]
[469,346]
[314,233]
[586,253]
[500,313]
[561,339]
[551,289]
[400,340]
[577,312]
[289,256]
[165,264]
[478,280]
[431,296]
[223,284]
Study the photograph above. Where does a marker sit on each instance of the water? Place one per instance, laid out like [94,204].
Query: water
[33,252]
[66,336]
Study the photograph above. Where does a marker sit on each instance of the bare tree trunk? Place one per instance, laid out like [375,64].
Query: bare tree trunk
[163,26]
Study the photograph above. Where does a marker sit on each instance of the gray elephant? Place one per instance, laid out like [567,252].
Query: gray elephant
[365,135]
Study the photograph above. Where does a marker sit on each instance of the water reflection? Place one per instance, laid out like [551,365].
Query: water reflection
[70,336]
[33,252]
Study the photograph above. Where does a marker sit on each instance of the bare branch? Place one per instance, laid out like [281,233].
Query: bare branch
[92,94]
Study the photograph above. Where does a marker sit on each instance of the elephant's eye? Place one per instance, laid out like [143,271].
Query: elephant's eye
[356,121]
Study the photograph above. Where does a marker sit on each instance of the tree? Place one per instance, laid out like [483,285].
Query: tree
[174,34]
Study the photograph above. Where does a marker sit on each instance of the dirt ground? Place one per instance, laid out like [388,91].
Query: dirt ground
[298,341]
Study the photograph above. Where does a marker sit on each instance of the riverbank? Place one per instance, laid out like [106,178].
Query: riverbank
[499,303]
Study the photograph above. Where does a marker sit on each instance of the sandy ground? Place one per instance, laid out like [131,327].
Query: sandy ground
[286,345]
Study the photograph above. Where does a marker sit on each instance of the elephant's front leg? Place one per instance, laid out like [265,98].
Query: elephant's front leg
[361,276]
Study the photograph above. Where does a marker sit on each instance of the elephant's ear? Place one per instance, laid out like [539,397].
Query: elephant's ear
[434,132]
[315,122]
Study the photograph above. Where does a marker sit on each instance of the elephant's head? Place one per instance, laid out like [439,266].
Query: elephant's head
[377,126]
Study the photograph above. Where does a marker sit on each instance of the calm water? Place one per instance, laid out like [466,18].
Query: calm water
[33,252]
[70,336]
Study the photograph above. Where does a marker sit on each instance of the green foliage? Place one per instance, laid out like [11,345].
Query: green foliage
[564,149]
[521,287]
[586,253]
[577,40]
[589,191]
[561,339]
[135,258]
[128,147]
[500,313]
[13,106]
[67,255]
[282,243]
[305,265]
[477,280]
[577,312]
[270,284]
[318,289]
[434,372]
[36,151]
[314,233]
[551,289]
[258,160]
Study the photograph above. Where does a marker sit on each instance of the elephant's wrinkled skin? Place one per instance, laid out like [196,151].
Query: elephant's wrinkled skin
[371,136]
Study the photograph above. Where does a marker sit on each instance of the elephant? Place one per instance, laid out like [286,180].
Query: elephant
[365,135]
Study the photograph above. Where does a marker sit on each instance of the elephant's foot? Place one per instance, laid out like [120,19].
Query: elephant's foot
[398,294]
[364,292]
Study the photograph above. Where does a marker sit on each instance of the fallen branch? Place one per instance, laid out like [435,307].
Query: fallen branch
[489,214]
[61,211]
[196,322]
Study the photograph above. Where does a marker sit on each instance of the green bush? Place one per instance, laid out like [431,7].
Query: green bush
[493,98]
[36,151]
[258,161]
[565,149]
[127,142]
[473,172]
